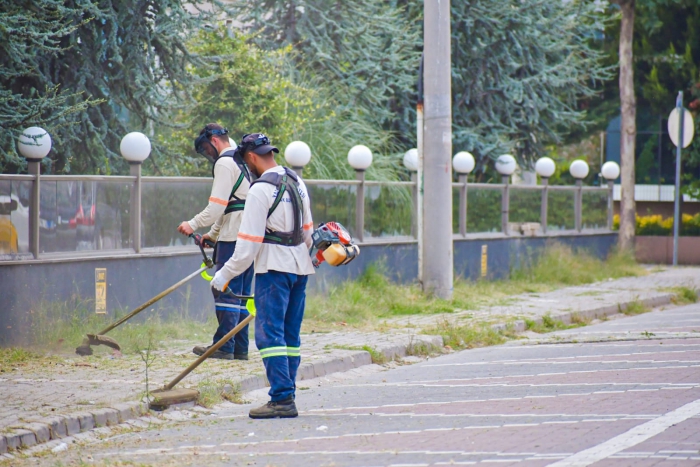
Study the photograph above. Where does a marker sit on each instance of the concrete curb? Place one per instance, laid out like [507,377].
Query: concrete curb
[41,431]
[44,430]
[589,314]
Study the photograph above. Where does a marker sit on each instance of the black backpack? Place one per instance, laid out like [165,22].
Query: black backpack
[234,202]
[287,182]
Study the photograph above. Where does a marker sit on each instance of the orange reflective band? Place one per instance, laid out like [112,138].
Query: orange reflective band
[220,201]
[309,226]
[250,238]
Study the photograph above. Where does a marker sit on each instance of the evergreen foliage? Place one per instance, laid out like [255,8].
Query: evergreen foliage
[90,71]
[518,68]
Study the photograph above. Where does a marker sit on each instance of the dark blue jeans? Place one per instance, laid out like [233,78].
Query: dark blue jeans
[280,298]
[231,311]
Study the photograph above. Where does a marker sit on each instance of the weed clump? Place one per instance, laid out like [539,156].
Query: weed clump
[684,295]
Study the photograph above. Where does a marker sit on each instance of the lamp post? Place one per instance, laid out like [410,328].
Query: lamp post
[135,147]
[410,161]
[610,171]
[360,158]
[34,144]
[297,154]
[505,165]
[463,163]
[579,170]
[545,168]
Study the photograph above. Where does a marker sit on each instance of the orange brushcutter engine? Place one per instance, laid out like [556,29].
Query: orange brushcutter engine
[334,245]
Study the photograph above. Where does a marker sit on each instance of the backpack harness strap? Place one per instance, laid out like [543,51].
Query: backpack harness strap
[234,202]
[287,182]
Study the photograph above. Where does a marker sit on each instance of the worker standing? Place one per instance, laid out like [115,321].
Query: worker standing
[223,214]
[275,233]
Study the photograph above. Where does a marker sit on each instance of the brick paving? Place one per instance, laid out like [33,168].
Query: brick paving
[535,393]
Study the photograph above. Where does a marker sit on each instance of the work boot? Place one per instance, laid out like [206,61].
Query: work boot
[240,356]
[285,408]
[199,350]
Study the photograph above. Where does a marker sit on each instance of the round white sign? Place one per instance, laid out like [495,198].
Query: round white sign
[674,125]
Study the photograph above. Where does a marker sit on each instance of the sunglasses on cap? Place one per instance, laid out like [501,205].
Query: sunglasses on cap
[257,142]
[205,137]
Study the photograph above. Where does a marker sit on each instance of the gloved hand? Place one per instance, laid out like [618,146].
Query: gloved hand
[220,282]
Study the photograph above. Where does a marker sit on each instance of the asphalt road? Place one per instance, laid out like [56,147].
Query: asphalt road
[632,399]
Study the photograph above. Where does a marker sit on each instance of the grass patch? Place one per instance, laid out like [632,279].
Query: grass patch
[550,324]
[215,391]
[61,326]
[377,357]
[372,297]
[634,308]
[684,295]
[465,336]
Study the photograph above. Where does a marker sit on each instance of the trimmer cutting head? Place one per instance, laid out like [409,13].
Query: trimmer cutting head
[164,398]
[96,339]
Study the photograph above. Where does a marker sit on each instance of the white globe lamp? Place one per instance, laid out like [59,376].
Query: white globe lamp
[135,147]
[506,165]
[463,162]
[34,143]
[297,154]
[360,157]
[410,160]
[610,170]
[545,167]
[578,169]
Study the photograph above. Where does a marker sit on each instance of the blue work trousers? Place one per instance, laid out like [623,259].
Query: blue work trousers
[231,311]
[280,298]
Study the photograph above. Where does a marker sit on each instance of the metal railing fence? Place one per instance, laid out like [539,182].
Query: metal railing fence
[46,215]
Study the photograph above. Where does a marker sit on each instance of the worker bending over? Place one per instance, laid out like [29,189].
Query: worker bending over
[223,214]
[275,232]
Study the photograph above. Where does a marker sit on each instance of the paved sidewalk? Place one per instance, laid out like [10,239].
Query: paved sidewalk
[587,301]
[73,394]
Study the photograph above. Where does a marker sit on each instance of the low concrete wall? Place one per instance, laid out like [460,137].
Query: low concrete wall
[26,287]
[659,250]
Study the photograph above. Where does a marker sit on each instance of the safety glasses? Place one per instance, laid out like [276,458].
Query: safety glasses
[261,140]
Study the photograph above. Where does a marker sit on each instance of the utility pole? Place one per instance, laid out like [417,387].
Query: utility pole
[438,266]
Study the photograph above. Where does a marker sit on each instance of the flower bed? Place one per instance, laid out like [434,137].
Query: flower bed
[656,225]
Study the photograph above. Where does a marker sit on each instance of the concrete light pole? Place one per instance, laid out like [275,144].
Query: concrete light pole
[437,249]
[34,144]
[360,158]
[545,168]
[135,148]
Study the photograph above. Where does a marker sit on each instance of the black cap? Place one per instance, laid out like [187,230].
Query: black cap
[258,143]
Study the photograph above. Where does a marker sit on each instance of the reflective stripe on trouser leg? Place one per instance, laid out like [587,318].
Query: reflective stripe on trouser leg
[273,352]
[274,333]
[231,311]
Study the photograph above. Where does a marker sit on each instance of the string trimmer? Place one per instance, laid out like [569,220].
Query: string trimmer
[167,396]
[100,338]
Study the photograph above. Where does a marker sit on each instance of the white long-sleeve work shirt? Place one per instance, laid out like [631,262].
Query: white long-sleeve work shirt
[224,227]
[271,257]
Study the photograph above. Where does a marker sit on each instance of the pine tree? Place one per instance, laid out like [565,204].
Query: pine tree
[90,71]
[366,53]
[518,69]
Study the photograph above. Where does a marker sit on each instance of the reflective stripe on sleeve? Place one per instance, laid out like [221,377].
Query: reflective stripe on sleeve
[250,238]
[220,201]
[293,352]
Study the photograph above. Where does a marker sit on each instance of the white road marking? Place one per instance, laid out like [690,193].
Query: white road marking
[631,438]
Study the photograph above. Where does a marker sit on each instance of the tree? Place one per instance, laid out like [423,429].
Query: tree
[107,68]
[29,30]
[518,72]
[365,54]
[628,127]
